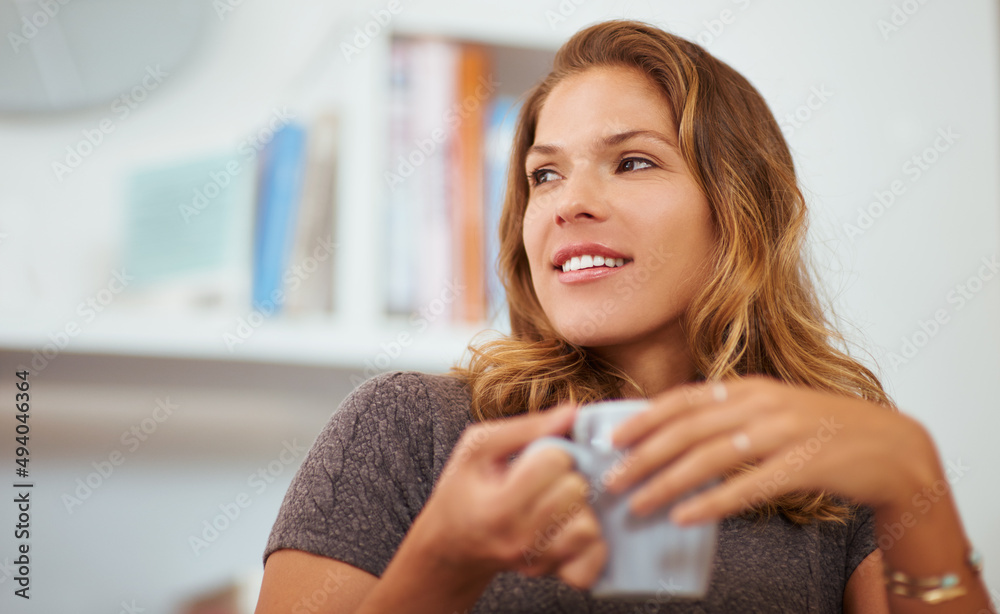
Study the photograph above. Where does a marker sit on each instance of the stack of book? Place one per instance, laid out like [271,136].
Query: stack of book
[252,229]
[294,249]
[450,137]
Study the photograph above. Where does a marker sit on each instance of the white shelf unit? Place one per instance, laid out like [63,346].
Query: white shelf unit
[358,335]
[395,343]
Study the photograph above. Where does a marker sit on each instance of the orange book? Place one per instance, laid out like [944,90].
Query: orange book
[473,93]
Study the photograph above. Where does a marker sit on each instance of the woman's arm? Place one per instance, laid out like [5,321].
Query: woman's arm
[297,582]
[418,581]
[922,536]
[483,514]
[808,440]
[865,590]
[926,540]
[481,518]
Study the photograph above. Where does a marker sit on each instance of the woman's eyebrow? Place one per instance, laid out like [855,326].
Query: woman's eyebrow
[543,149]
[605,142]
[622,137]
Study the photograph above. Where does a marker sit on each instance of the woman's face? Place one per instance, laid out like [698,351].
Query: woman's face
[618,234]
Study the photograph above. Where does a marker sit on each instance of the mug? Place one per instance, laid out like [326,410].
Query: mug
[649,557]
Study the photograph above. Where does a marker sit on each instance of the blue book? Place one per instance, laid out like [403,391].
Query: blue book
[280,190]
[500,128]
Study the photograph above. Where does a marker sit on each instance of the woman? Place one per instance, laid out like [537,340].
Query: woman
[651,247]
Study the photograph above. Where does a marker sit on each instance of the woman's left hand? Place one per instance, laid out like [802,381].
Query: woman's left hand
[801,439]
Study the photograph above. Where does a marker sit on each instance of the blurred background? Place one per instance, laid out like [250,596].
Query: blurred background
[217,218]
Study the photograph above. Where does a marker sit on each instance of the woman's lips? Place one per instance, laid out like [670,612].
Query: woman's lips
[567,252]
[591,274]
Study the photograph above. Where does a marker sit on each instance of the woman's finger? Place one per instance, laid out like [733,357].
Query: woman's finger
[668,406]
[671,440]
[531,476]
[772,478]
[582,571]
[563,542]
[560,536]
[558,507]
[497,439]
[710,459]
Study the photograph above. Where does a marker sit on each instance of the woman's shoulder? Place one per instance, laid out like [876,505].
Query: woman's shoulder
[373,464]
[411,393]
[439,387]
[419,413]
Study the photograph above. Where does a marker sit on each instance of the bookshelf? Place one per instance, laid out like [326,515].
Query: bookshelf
[330,342]
[359,333]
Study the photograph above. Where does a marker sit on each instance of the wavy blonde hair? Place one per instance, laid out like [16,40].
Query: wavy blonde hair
[759,313]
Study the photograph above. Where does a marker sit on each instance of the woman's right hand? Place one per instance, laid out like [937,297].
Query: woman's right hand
[488,515]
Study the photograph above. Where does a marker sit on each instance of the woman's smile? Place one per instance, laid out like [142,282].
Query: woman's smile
[583,262]
[615,222]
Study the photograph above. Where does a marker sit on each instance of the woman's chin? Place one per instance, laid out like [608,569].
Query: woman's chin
[589,335]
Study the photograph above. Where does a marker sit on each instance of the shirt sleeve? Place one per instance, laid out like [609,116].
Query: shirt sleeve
[365,478]
[860,538]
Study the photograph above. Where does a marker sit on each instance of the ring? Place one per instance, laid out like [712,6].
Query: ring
[741,441]
[719,392]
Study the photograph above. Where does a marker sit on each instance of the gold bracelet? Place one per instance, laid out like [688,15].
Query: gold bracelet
[932,596]
[932,589]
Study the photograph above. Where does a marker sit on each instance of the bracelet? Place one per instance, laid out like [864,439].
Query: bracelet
[932,589]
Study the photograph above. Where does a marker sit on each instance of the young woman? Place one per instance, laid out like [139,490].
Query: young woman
[652,244]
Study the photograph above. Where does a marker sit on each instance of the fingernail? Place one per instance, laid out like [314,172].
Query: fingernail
[681,514]
[620,482]
[687,514]
[639,505]
[617,439]
[559,412]
[613,485]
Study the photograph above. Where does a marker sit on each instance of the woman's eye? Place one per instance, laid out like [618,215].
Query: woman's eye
[542,175]
[633,164]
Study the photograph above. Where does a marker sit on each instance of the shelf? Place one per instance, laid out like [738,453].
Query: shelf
[369,348]
[359,338]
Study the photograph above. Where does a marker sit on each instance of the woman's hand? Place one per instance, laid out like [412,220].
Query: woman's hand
[488,515]
[800,438]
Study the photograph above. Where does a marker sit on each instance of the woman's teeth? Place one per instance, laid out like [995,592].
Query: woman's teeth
[586,262]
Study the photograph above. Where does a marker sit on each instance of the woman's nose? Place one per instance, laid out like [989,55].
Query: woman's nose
[580,200]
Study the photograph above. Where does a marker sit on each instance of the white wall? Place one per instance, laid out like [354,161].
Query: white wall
[889,99]
[128,534]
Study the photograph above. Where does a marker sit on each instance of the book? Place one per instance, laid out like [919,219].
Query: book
[467,183]
[449,141]
[500,129]
[420,268]
[400,221]
[282,167]
[187,239]
[309,279]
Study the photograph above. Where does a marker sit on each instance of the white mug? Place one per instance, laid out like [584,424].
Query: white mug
[649,557]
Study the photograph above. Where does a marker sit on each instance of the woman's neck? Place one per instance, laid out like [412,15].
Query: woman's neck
[657,363]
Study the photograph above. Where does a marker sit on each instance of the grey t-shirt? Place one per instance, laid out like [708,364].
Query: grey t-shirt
[373,466]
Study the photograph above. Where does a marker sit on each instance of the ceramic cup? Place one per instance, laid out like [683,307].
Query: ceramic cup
[649,557]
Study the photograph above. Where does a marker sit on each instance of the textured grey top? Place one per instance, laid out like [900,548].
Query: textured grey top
[374,464]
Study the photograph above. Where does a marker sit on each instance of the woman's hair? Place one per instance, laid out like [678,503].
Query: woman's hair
[757,314]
